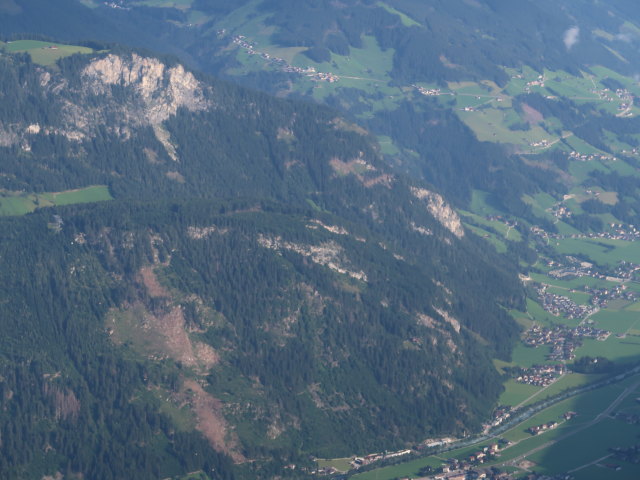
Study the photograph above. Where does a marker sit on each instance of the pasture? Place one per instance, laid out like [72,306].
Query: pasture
[12,203]
[44,53]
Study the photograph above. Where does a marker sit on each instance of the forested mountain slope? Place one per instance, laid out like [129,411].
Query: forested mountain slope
[263,286]
[372,60]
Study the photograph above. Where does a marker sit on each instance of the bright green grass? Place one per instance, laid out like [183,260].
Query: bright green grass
[524,356]
[571,380]
[20,204]
[536,208]
[516,392]
[96,193]
[42,53]
[387,146]
[489,237]
[616,321]
[500,227]
[405,19]
[580,298]
[615,349]
[580,145]
[480,203]
[600,251]
[16,205]
[489,124]
[623,168]
[367,63]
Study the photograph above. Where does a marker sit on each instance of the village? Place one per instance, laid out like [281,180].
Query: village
[562,339]
[540,375]
[600,297]
[560,305]
[242,42]
[584,157]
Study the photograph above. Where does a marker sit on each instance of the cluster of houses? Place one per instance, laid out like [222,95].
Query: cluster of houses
[466,469]
[623,96]
[560,305]
[560,211]
[600,297]
[540,375]
[429,92]
[624,270]
[118,5]
[242,42]
[539,82]
[500,414]
[587,157]
[541,143]
[633,151]
[620,231]
[538,429]
[563,340]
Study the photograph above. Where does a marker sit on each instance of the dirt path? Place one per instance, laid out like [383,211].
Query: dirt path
[590,463]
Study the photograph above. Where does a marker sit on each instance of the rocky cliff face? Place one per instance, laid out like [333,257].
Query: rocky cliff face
[118,93]
[441,210]
[161,90]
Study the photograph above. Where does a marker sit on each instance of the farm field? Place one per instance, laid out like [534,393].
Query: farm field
[600,251]
[22,203]
[44,53]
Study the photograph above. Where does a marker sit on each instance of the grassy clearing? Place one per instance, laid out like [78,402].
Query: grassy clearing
[44,53]
[527,356]
[405,19]
[515,393]
[480,204]
[12,204]
[488,236]
[340,464]
[367,63]
[502,229]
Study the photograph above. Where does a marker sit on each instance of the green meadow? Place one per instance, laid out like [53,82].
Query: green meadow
[44,53]
[12,204]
